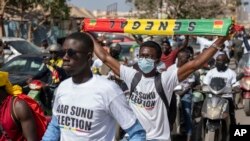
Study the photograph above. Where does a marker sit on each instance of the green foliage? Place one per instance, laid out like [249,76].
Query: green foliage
[183,8]
[56,8]
[147,8]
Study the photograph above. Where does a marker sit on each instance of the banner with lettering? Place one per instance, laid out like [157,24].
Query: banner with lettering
[218,27]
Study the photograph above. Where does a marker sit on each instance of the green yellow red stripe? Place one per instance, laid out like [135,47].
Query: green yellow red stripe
[160,27]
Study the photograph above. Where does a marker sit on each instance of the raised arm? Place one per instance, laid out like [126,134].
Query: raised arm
[200,60]
[24,114]
[105,57]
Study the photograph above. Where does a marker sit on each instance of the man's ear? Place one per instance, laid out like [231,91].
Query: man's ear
[90,56]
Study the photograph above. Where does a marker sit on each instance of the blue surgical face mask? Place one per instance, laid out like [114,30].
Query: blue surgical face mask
[146,64]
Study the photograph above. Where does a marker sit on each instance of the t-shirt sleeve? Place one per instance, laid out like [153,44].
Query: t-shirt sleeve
[57,96]
[169,81]
[127,74]
[233,77]
[55,104]
[207,78]
[198,40]
[121,112]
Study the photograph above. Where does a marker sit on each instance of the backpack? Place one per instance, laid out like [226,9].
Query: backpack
[171,108]
[40,119]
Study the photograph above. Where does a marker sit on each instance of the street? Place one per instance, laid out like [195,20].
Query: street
[241,118]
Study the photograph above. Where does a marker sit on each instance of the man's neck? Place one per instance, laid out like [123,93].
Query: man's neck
[151,74]
[82,78]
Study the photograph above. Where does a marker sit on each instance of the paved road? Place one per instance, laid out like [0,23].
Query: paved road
[241,118]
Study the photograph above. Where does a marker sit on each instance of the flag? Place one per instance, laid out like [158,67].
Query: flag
[218,24]
[92,22]
[219,27]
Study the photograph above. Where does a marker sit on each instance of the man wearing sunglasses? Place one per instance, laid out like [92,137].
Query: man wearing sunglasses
[54,64]
[145,101]
[87,106]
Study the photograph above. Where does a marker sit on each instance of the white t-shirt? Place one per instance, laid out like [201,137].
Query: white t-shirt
[204,43]
[89,111]
[229,76]
[147,104]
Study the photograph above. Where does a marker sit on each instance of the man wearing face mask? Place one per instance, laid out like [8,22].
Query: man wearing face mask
[221,70]
[145,101]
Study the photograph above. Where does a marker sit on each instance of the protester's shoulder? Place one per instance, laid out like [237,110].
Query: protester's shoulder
[231,71]
[172,67]
[105,84]
[65,82]
[127,69]
[213,70]
[170,71]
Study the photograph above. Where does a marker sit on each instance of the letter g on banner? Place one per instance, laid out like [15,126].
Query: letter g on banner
[136,25]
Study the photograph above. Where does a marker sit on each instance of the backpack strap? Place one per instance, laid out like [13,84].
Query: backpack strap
[160,90]
[135,81]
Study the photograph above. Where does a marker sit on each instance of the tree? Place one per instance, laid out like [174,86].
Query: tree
[146,8]
[198,8]
[50,9]
[184,8]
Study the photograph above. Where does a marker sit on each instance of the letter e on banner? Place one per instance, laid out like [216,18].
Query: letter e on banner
[177,26]
[150,24]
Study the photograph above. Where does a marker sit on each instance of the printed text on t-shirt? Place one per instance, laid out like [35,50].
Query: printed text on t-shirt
[143,100]
[74,118]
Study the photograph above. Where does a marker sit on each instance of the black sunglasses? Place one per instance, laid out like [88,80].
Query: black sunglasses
[70,52]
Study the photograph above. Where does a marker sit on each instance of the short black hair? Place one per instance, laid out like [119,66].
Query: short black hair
[224,54]
[87,42]
[187,51]
[154,45]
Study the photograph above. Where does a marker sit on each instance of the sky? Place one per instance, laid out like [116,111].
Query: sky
[101,4]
